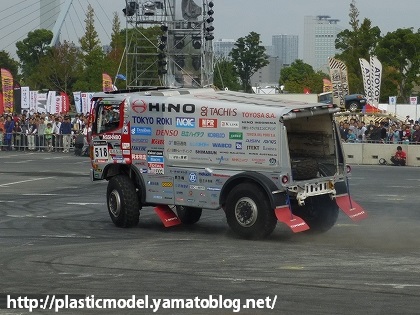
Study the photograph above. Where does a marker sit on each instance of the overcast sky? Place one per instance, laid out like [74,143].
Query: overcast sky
[233,18]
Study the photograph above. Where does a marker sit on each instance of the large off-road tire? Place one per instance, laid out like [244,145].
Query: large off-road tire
[249,213]
[188,215]
[304,168]
[319,212]
[122,201]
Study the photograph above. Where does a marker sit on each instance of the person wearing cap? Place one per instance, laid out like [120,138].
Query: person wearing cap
[400,157]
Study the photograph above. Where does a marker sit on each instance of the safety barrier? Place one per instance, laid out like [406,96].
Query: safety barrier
[25,142]
[371,153]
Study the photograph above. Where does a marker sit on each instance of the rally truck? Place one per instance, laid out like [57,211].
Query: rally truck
[259,158]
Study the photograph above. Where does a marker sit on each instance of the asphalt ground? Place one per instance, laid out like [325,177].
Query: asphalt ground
[56,237]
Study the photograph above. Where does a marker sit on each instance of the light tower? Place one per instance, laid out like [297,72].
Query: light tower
[169,43]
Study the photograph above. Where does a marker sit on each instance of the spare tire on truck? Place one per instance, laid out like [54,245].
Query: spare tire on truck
[304,168]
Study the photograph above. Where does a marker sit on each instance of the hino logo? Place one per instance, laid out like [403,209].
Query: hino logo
[178,108]
[139,106]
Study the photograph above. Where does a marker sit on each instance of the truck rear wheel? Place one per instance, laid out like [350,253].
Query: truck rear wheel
[319,212]
[249,213]
[123,202]
[188,215]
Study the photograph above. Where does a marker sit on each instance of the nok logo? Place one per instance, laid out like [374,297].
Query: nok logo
[139,106]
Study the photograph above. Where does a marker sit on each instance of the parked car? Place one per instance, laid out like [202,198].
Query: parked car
[354,102]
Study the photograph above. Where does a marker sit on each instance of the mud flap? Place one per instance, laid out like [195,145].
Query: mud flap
[167,216]
[352,209]
[295,223]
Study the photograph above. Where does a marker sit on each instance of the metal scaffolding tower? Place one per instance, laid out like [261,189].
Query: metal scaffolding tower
[169,43]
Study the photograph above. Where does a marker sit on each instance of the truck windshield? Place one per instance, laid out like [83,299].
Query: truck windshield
[107,117]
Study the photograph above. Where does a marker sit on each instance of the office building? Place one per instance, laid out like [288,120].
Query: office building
[320,33]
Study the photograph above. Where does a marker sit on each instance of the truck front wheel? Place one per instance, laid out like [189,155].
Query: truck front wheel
[188,215]
[319,212]
[249,213]
[123,202]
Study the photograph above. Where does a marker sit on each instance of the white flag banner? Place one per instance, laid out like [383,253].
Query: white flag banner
[367,79]
[86,100]
[33,102]
[50,107]
[78,101]
[392,100]
[25,97]
[344,79]
[41,103]
[376,77]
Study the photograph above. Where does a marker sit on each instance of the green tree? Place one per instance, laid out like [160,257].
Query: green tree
[114,59]
[248,57]
[225,75]
[300,76]
[401,50]
[92,55]
[9,63]
[31,50]
[61,68]
[357,42]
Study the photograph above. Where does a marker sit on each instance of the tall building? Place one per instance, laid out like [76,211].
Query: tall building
[285,47]
[222,47]
[48,13]
[320,33]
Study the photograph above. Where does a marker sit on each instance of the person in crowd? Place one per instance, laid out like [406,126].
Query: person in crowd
[406,134]
[415,137]
[344,131]
[400,157]
[41,134]
[9,126]
[32,132]
[360,131]
[48,134]
[65,131]
[56,134]
[24,133]
[383,132]
[18,135]
[351,136]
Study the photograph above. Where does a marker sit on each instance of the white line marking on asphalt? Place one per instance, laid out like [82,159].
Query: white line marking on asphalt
[68,236]
[40,194]
[25,216]
[395,285]
[6,201]
[25,181]
[18,162]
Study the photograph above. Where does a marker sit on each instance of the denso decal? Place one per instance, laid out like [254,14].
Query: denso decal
[213,111]
[229,124]
[167,132]
[207,123]
[185,122]
[144,131]
[111,137]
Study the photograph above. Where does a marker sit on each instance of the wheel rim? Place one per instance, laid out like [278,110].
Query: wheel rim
[114,203]
[246,212]
[353,107]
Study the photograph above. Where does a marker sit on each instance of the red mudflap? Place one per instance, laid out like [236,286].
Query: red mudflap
[295,223]
[167,216]
[351,208]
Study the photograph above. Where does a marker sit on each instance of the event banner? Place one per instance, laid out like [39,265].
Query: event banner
[367,84]
[106,82]
[339,81]
[7,83]
[376,77]
[25,98]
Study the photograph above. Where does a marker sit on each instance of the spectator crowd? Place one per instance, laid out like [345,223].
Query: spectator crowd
[42,132]
[384,131]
